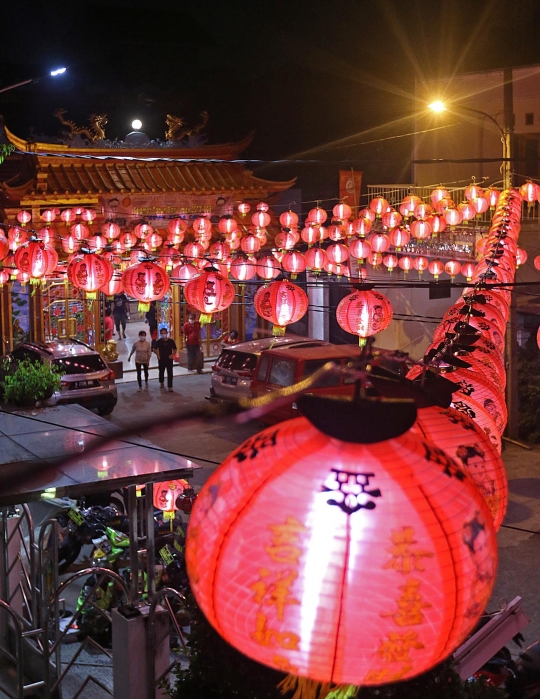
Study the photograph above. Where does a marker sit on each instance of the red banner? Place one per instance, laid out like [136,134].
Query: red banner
[350,184]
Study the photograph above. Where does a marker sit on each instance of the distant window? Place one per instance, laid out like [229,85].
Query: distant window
[529,119]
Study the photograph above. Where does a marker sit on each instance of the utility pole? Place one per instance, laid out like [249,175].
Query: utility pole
[512,399]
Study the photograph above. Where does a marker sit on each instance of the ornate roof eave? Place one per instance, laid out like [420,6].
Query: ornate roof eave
[222,151]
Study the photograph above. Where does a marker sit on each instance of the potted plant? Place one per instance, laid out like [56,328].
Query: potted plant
[26,382]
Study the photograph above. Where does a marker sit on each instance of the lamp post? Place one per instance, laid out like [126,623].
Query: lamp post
[52,73]
[506,132]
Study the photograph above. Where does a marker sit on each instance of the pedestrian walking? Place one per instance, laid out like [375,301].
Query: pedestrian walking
[108,325]
[192,337]
[151,319]
[142,351]
[120,313]
[165,348]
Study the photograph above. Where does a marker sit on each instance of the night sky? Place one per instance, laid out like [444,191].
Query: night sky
[304,75]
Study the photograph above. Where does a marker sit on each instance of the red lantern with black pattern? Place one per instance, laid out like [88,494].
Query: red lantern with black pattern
[147,282]
[35,259]
[364,313]
[209,292]
[89,272]
[280,303]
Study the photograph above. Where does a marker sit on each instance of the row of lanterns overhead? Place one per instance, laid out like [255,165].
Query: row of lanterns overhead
[203,268]
[346,549]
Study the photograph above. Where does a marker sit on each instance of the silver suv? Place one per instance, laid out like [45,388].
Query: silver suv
[86,378]
[232,372]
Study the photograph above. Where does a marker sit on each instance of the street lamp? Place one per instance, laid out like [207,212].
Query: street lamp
[53,73]
[438,106]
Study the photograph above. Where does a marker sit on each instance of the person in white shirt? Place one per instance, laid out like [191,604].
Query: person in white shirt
[143,351]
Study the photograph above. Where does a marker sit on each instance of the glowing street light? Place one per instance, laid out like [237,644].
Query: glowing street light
[53,73]
[136,124]
[437,106]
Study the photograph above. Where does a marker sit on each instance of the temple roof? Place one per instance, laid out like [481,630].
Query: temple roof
[47,171]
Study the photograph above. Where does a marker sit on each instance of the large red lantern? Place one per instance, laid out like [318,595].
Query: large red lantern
[316,260]
[288,219]
[399,237]
[359,248]
[337,253]
[372,569]
[452,267]
[114,286]
[379,206]
[280,303]
[147,282]
[260,219]
[111,230]
[194,251]
[79,231]
[421,229]
[177,227]
[293,262]
[362,226]
[4,247]
[364,313]
[342,211]
[16,237]
[436,268]
[317,215]
[89,272]
[379,242]
[183,273]
[209,292]
[36,260]
[406,264]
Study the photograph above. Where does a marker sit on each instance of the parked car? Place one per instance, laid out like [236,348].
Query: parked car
[277,369]
[86,378]
[233,370]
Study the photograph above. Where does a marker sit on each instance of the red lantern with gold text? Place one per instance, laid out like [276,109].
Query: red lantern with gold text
[280,303]
[89,273]
[364,313]
[209,292]
[147,282]
[452,267]
[365,528]
[177,227]
[129,240]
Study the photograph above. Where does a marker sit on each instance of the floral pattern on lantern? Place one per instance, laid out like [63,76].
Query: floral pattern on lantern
[364,313]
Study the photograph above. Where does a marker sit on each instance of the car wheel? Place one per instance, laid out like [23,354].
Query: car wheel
[107,410]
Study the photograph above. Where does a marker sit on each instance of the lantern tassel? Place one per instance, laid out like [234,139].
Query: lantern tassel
[278,330]
[205,318]
[143,307]
[305,688]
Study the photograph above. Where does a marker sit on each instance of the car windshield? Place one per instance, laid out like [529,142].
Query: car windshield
[282,372]
[80,364]
[237,361]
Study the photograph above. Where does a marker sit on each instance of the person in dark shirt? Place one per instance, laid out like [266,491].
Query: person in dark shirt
[151,319]
[192,338]
[165,348]
[120,313]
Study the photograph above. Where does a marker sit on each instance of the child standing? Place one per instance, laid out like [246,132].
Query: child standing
[142,351]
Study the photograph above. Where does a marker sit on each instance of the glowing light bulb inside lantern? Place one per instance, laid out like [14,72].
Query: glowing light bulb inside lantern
[102,472]
[136,124]
[285,311]
[363,324]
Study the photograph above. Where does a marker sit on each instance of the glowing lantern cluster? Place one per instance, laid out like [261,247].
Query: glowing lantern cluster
[280,303]
[364,313]
[389,522]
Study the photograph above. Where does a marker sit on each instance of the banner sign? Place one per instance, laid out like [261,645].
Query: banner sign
[167,205]
[350,184]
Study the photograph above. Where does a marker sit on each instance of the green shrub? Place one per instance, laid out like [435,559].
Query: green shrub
[27,382]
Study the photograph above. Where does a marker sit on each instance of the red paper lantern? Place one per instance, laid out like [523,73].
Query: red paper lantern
[473,191]
[183,273]
[16,237]
[420,264]
[529,191]
[193,251]
[24,217]
[372,569]
[168,258]
[250,244]
[470,408]
[375,258]
[452,267]
[359,248]
[79,231]
[114,286]
[337,232]
[439,193]
[390,262]
[89,273]
[342,211]
[391,219]
[421,229]
[261,219]
[317,215]
[312,234]
[379,206]
[409,204]
[521,257]
[280,303]
[35,260]
[68,215]
[209,292]
[111,230]
[316,260]
[96,243]
[337,253]
[484,392]
[285,240]
[436,268]
[147,282]
[364,313]
[492,196]
[288,219]
[243,269]
[143,230]
[165,495]
[422,210]
[48,216]
[379,242]
[177,227]
[337,268]
[463,441]
[399,237]
[128,240]
[437,223]
[5,276]
[88,215]
[467,211]
[453,217]
[293,262]
[467,270]
[362,226]
[480,204]
[268,267]
[244,208]
[406,264]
